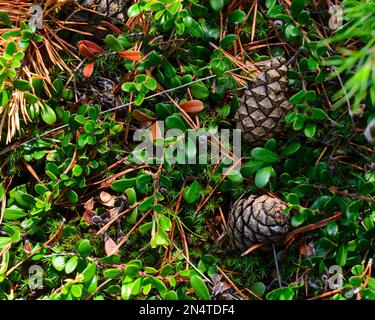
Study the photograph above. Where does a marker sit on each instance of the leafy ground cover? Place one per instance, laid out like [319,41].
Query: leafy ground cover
[85,217]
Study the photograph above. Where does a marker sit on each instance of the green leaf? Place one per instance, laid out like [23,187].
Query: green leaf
[171,295]
[48,114]
[258,288]
[193,27]
[310,130]
[193,192]
[217,5]
[227,41]
[175,121]
[22,85]
[310,95]
[4,241]
[292,148]
[76,290]
[318,114]
[72,196]
[332,228]
[134,10]
[11,48]
[84,248]
[200,287]
[168,70]
[262,177]
[264,155]
[113,44]
[58,262]
[236,177]
[281,294]
[137,286]
[89,272]
[132,269]
[112,273]
[298,219]
[298,97]
[1,192]
[151,83]
[123,184]
[299,122]
[159,285]
[341,255]
[237,16]
[71,265]
[364,189]
[14,214]
[199,90]
[297,7]
[30,98]
[164,110]
[270,3]
[77,170]
[291,32]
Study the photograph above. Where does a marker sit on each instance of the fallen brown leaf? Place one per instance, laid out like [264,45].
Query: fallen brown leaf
[110,245]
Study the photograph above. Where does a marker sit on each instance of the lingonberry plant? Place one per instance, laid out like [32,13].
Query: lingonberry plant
[85,213]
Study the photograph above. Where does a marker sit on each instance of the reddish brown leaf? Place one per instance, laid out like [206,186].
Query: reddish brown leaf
[87,216]
[89,204]
[113,212]
[88,70]
[110,26]
[110,245]
[27,247]
[91,45]
[131,55]
[88,49]
[192,106]
[141,116]
[83,50]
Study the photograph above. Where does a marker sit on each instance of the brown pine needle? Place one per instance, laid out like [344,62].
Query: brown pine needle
[253,248]
[232,284]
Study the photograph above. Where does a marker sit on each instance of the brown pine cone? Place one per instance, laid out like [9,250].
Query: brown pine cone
[257,219]
[263,107]
[111,8]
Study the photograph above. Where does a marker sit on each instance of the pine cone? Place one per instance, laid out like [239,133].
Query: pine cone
[263,107]
[114,10]
[111,8]
[257,219]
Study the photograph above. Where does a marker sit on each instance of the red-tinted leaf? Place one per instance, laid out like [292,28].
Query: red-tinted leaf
[110,26]
[110,245]
[113,212]
[131,55]
[141,116]
[89,204]
[27,247]
[192,106]
[91,45]
[88,70]
[88,48]
[87,216]
[83,50]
